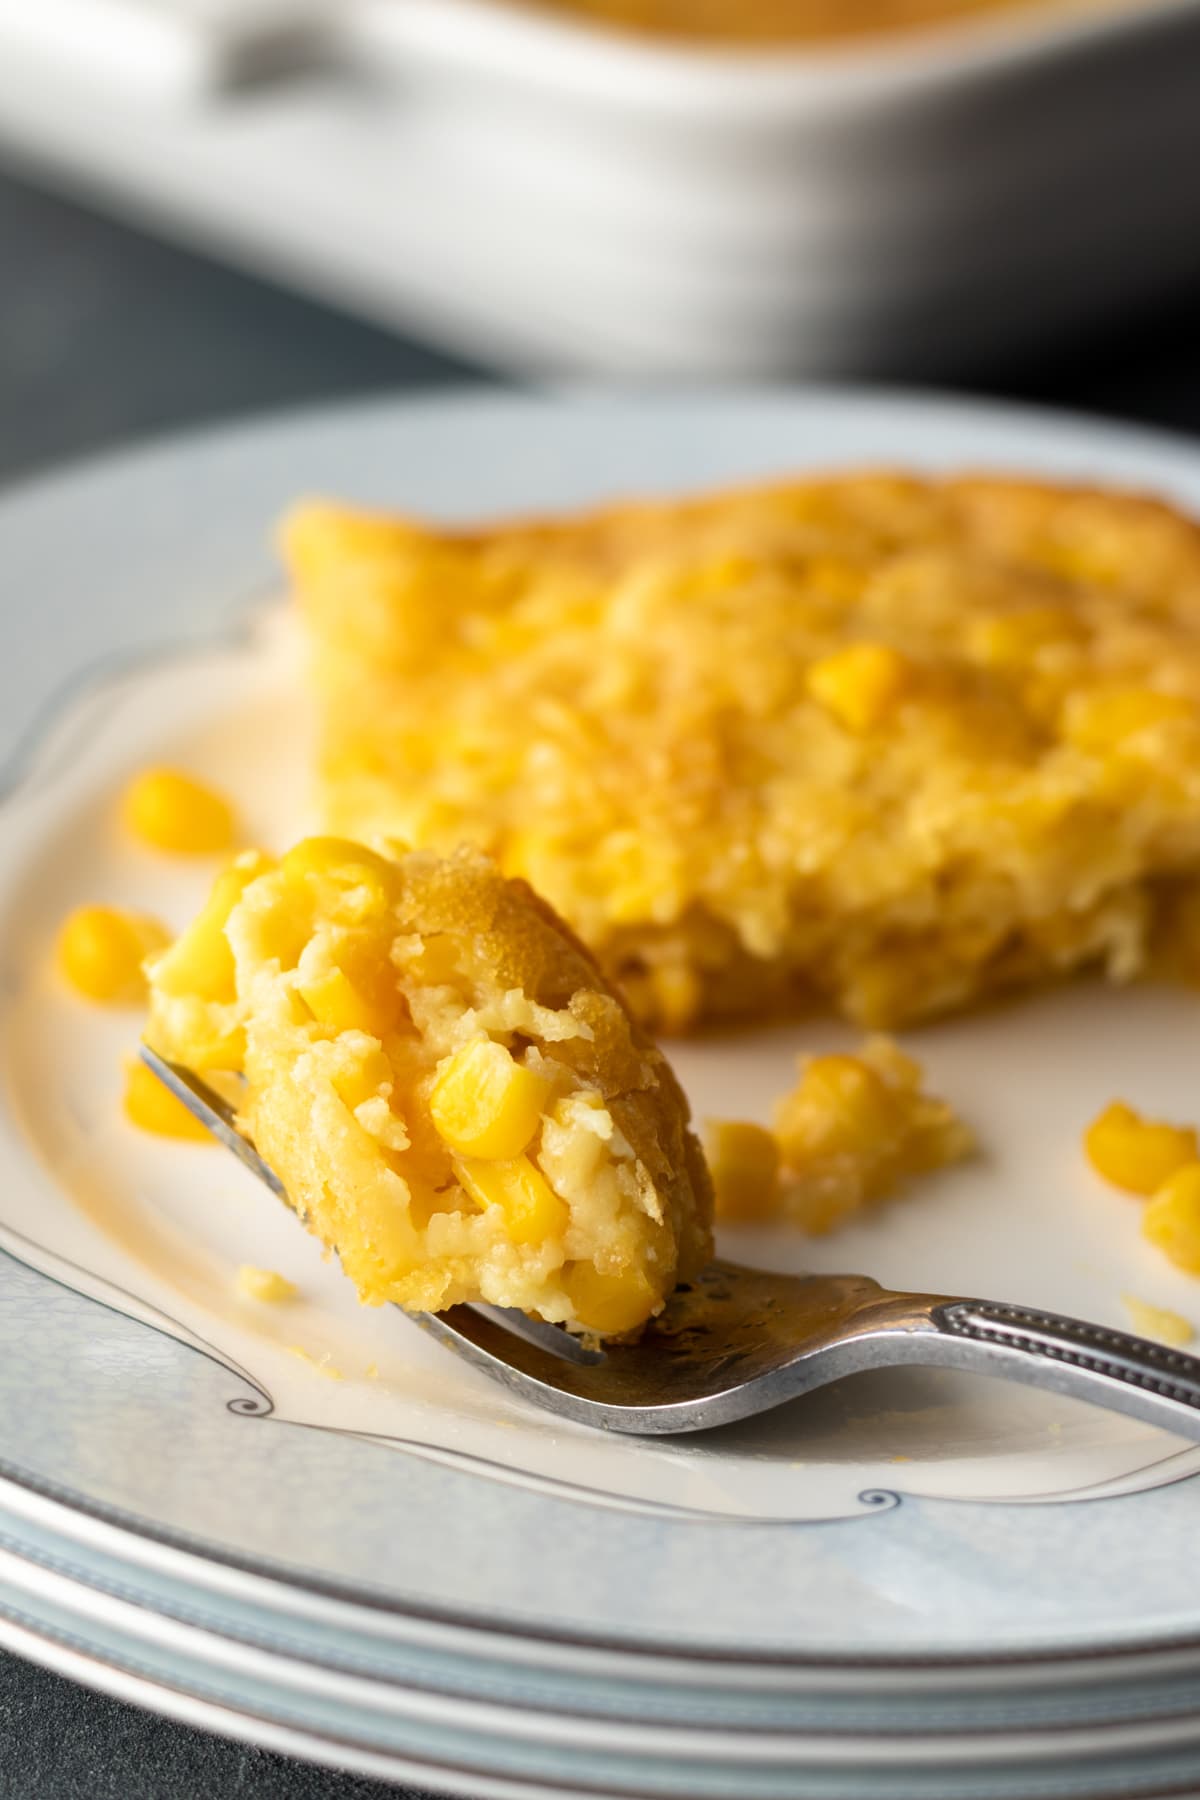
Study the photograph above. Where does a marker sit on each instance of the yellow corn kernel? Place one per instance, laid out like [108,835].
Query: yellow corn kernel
[485,1104]
[840,1104]
[1135,1153]
[200,962]
[361,1078]
[1107,718]
[264,1284]
[609,1304]
[1012,640]
[744,1162]
[532,1210]
[859,685]
[334,1001]
[1172,1218]
[1158,1322]
[154,1108]
[366,882]
[101,950]
[174,812]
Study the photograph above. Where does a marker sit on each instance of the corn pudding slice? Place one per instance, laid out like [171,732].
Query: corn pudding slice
[453,1099]
[887,743]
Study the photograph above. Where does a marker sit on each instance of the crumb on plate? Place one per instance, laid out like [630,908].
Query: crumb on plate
[1158,1322]
[850,1132]
[1171,1220]
[264,1284]
[323,1365]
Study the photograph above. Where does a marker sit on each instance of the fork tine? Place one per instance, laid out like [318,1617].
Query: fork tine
[526,1366]
[214,1113]
[554,1338]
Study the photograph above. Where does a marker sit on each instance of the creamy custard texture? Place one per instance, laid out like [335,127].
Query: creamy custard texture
[453,1099]
[888,743]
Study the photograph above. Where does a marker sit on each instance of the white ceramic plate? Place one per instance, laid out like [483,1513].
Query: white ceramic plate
[911,1517]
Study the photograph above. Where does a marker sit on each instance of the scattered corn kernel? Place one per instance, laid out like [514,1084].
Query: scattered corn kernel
[1158,1322]
[1135,1153]
[264,1284]
[172,811]
[485,1104]
[532,1210]
[608,1303]
[743,1160]
[1172,1218]
[101,950]
[859,685]
[154,1108]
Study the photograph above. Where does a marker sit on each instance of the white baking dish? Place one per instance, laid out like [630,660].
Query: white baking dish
[893,207]
[571,200]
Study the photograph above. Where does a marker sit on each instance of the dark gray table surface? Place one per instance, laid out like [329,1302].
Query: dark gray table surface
[105,334]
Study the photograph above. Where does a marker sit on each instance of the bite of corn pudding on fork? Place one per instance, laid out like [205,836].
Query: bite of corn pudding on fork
[437,1073]
[733,1341]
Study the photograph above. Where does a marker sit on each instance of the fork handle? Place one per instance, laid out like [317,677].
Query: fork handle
[1088,1362]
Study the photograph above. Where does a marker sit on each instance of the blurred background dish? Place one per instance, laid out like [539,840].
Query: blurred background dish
[782,22]
[521,186]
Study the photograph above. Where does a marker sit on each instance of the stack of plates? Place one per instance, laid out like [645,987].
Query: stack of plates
[833,1693]
[309,1525]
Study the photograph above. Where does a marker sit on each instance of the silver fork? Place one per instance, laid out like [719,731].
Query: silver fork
[736,1341]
